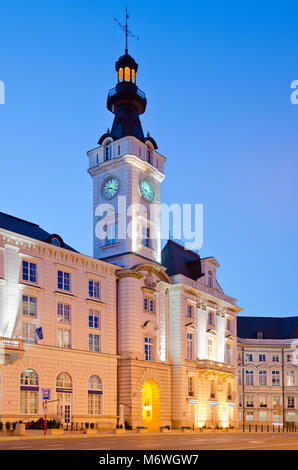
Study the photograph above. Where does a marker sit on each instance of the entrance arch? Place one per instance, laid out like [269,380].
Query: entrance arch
[151,405]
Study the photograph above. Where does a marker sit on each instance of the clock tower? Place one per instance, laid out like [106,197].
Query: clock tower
[127,171]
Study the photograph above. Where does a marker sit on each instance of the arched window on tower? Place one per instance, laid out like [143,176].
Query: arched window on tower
[149,152]
[108,150]
[127,74]
[133,76]
[120,75]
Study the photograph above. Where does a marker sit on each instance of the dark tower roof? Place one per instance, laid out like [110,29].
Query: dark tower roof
[178,260]
[271,327]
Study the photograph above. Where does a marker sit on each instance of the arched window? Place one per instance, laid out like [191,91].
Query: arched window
[149,152]
[29,390]
[94,395]
[127,74]
[120,75]
[209,280]
[133,76]
[64,380]
[108,150]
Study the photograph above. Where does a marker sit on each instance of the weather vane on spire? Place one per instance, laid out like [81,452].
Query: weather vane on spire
[126,30]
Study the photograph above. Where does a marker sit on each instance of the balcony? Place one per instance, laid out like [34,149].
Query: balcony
[11,349]
[207,367]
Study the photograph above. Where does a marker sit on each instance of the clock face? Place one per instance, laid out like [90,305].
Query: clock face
[110,187]
[147,190]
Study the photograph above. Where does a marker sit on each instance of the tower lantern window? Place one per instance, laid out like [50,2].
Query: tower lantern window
[127,74]
[120,75]
[133,76]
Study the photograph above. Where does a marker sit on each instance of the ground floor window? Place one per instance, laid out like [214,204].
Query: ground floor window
[291,417]
[249,416]
[94,395]
[263,415]
[29,401]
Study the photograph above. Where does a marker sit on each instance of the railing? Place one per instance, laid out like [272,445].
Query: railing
[11,343]
[113,92]
[214,365]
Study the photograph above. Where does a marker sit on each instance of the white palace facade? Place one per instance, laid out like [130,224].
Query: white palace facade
[133,329]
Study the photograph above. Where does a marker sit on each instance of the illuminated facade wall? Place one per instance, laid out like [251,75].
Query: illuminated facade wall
[268,381]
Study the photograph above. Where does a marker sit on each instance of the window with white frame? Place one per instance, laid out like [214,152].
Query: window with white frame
[189,345]
[111,236]
[211,348]
[262,377]
[249,415]
[148,348]
[275,357]
[228,354]
[29,332]
[189,310]
[63,338]
[94,289]
[260,335]
[63,280]
[210,318]
[63,313]
[276,401]
[29,271]
[263,415]
[94,319]
[94,343]
[29,306]
[108,150]
[29,389]
[149,304]
[249,377]
[146,237]
[248,357]
[291,378]
[291,417]
[94,395]
[262,357]
[275,377]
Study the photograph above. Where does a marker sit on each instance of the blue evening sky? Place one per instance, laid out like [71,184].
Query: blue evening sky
[217,77]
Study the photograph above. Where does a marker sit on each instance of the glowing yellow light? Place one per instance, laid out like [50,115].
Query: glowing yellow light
[133,76]
[120,75]
[127,74]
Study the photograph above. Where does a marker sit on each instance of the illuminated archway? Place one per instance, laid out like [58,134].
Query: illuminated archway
[151,405]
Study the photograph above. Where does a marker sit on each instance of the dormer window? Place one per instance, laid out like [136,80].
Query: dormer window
[260,335]
[209,279]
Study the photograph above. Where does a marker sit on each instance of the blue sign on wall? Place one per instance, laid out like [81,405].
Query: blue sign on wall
[46,393]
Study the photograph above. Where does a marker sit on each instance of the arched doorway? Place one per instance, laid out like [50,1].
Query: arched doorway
[151,405]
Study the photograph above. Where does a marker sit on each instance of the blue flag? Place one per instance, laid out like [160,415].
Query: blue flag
[39,333]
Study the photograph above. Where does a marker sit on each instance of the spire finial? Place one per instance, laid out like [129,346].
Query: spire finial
[126,30]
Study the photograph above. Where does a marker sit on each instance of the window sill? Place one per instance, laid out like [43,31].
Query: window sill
[30,284]
[64,292]
[112,245]
[92,299]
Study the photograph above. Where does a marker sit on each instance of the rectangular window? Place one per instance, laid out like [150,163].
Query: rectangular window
[190,386]
[94,404]
[149,305]
[29,306]
[64,281]
[63,338]
[263,415]
[276,401]
[148,349]
[263,401]
[289,357]
[210,318]
[29,332]
[29,271]
[262,357]
[94,343]
[63,313]
[189,343]
[249,401]
[146,237]
[94,319]
[229,325]
[111,234]
[291,417]
[275,357]
[248,357]
[275,377]
[276,418]
[291,402]
[262,377]
[189,311]
[210,349]
[249,416]
[28,401]
[94,289]
[249,377]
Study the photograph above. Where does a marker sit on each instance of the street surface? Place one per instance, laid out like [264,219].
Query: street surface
[187,441]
